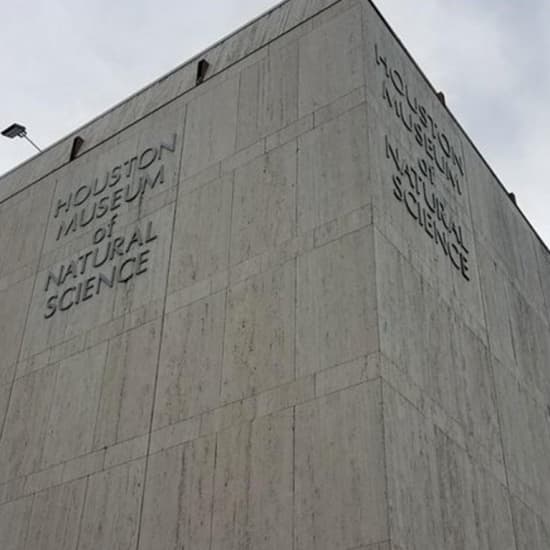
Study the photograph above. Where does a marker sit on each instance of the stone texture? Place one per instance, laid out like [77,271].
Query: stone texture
[268,94]
[339,470]
[525,435]
[26,424]
[532,532]
[332,169]
[111,511]
[259,333]
[253,500]
[264,210]
[23,220]
[324,78]
[14,302]
[210,130]
[336,303]
[178,497]
[74,406]
[202,232]
[14,521]
[191,361]
[55,519]
[126,400]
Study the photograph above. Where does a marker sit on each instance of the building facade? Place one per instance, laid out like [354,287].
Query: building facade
[276,300]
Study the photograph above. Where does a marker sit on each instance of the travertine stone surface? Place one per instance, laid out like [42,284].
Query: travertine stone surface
[268,96]
[189,375]
[14,520]
[126,398]
[336,316]
[14,303]
[264,203]
[253,490]
[210,127]
[332,169]
[55,518]
[259,333]
[26,422]
[324,78]
[112,510]
[74,406]
[340,482]
[23,220]
[288,308]
[202,232]
[178,497]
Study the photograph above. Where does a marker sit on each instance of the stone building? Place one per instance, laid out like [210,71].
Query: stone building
[275,300]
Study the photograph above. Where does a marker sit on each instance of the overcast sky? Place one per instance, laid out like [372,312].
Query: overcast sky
[63,62]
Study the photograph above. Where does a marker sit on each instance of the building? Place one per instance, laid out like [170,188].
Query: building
[276,300]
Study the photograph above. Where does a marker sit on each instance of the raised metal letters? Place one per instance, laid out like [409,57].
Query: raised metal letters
[416,179]
[112,258]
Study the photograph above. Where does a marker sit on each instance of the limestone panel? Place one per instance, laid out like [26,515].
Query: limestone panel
[268,95]
[74,406]
[14,304]
[210,130]
[531,342]
[532,532]
[474,508]
[336,303]
[525,436]
[5,392]
[340,484]
[127,386]
[413,492]
[496,296]
[26,424]
[201,234]
[259,333]
[474,388]
[111,512]
[253,500]
[264,209]
[415,325]
[330,61]
[332,169]
[14,521]
[178,497]
[55,519]
[23,220]
[191,361]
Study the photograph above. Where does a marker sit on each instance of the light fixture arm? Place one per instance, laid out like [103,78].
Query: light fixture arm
[31,142]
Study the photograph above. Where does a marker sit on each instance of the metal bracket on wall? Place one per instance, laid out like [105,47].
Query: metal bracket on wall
[202,68]
[77,144]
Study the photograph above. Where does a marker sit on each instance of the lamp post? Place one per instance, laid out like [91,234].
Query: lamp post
[17,130]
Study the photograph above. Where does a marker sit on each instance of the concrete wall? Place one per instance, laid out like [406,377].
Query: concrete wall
[290,307]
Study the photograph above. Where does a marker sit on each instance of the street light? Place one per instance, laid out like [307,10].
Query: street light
[17,130]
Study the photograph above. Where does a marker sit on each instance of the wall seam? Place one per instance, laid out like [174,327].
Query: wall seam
[161,333]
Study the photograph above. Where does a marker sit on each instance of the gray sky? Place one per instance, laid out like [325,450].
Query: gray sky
[63,62]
